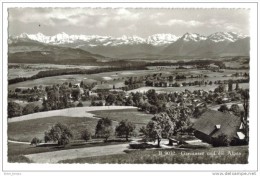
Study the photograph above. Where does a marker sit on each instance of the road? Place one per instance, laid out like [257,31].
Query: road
[56,156]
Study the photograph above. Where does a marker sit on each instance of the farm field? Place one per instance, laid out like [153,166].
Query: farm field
[38,123]
[133,115]
[28,70]
[173,156]
[69,112]
[17,151]
[26,130]
[121,76]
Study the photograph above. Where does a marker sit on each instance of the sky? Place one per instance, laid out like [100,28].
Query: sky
[126,21]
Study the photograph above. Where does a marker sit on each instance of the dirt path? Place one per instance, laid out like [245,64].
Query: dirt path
[69,112]
[56,156]
[18,142]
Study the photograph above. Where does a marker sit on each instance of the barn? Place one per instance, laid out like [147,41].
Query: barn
[211,124]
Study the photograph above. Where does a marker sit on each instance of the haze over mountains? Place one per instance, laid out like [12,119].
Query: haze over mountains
[168,45]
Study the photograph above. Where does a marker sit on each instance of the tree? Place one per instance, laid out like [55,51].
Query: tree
[125,128]
[235,110]
[14,109]
[53,99]
[86,135]
[111,98]
[159,127]
[80,104]
[237,86]
[104,128]
[30,108]
[35,141]
[223,108]
[60,133]
[152,97]
[75,93]
[170,78]
[230,85]
[221,88]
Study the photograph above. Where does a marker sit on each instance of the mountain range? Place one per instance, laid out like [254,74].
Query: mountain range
[161,45]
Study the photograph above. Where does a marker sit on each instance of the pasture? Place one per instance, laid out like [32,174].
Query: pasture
[133,115]
[173,156]
[26,130]
[28,70]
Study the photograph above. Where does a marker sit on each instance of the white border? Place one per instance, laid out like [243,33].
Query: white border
[154,167]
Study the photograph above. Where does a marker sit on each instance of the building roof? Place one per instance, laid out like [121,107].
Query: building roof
[228,123]
[213,66]
[103,87]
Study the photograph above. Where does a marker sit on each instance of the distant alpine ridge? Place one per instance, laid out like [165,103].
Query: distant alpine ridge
[190,44]
[96,40]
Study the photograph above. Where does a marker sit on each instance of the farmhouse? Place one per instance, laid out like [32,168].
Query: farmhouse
[213,67]
[102,88]
[211,124]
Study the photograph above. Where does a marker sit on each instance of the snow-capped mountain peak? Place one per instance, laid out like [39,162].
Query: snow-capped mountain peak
[154,40]
[161,39]
[193,37]
[225,36]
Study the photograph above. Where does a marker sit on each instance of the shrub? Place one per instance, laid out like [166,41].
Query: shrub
[35,141]
[80,104]
[223,108]
[221,140]
[86,135]
[30,108]
[14,109]
[141,146]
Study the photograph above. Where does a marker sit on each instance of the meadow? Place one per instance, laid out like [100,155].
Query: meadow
[26,130]
[28,70]
[173,156]
[133,115]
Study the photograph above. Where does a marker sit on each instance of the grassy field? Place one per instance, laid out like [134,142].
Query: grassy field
[16,151]
[26,130]
[133,115]
[173,156]
[28,70]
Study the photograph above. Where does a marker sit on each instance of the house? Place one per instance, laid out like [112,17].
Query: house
[211,124]
[213,67]
[102,88]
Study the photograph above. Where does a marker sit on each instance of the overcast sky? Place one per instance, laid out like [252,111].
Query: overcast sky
[118,22]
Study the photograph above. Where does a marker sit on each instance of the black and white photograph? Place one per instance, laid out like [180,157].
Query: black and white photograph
[140,85]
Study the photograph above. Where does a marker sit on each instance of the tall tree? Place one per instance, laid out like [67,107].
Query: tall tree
[230,85]
[125,128]
[158,128]
[60,133]
[104,128]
